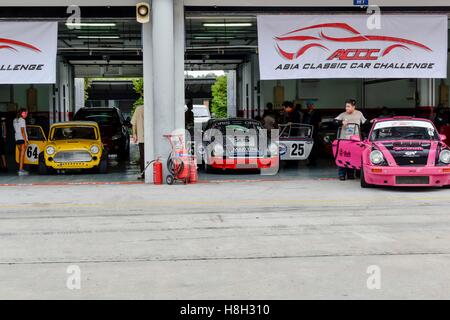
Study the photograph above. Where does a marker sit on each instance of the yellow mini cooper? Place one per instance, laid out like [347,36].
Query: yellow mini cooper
[73,146]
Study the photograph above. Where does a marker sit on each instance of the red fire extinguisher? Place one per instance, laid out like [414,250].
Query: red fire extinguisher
[193,175]
[157,172]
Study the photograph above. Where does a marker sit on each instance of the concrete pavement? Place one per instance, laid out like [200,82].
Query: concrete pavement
[293,239]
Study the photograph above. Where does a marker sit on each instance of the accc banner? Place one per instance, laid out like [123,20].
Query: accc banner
[345,46]
[28,52]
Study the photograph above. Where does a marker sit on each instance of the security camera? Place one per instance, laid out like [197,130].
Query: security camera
[143,12]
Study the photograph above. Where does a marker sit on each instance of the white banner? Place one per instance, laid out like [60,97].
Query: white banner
[28,52]
[343,46]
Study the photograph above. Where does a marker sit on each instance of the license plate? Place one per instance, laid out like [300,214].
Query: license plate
[413,180]
[244,141]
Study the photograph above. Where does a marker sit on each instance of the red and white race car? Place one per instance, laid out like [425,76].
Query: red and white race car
[237,143]
[400,151]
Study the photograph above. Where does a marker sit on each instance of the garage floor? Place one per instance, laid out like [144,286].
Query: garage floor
[127,172]
[247,240]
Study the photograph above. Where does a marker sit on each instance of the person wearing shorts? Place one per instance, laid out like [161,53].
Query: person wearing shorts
[20,134]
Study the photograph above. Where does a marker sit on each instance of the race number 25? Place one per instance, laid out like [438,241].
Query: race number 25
[298,150]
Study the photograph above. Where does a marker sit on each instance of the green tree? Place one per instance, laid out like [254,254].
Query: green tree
[138,85]
[219,97]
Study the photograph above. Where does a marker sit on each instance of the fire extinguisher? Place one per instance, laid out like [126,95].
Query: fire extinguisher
[157,172]
[193,175]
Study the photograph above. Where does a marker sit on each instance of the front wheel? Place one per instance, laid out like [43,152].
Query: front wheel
[364,184]
[103,166]
[43,169]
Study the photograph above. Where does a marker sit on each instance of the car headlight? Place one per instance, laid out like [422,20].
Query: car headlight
[376,157]
[273,149]
[444,157]
[218,150]
[50,150]
[94,149]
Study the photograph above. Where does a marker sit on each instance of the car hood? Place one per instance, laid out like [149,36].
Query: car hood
[407,152]
[73,144]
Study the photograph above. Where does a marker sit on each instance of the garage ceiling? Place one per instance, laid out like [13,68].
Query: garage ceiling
[109,41]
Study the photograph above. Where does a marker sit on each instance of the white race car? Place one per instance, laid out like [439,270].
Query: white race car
[296,141]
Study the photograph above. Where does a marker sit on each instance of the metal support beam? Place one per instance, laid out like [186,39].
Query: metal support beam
[163,76]
[179,38]
[149,115]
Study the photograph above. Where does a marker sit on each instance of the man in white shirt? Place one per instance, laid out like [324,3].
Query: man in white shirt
[21,137]
[350,116]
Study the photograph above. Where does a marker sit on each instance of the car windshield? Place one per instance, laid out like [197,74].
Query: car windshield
[295,131]
[200,112]
[404,130]
[74,133]
[236,127]
[35,133]
[101,117]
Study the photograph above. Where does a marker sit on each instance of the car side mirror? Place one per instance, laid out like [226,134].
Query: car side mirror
[443,137]
[127,123]
[355,138]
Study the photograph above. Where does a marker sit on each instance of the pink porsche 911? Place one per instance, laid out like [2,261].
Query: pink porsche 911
[399,151]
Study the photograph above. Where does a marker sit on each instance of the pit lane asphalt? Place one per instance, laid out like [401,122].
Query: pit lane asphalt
[292,239]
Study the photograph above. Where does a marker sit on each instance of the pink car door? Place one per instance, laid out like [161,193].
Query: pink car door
[348,147]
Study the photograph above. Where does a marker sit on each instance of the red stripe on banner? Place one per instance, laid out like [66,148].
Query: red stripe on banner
[337,25]
[297,38]
[19,43]
[401,40]
[309,46]
[287,55]
[351,39]
[8,47]
[394,46]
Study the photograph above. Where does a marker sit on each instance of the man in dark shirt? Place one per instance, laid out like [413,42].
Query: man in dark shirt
[313,118]
[290,114]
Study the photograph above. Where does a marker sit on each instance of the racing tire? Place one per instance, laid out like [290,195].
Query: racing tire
[364,184]
[43,169]
[103,166]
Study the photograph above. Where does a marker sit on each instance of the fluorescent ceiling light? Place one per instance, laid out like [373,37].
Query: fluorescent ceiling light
[230,24]
[212,38]
[98,37]
[89,24]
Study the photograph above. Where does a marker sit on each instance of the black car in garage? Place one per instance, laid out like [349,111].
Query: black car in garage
[114,128]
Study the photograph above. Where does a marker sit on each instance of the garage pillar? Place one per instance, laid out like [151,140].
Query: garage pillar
[149,115]
[427,92]
[179,39]
[163,46]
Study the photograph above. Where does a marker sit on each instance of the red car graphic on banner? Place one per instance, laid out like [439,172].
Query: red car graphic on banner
[11,44]
[309,42]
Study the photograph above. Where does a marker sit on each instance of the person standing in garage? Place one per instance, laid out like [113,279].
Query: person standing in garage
[3,163]
[313,118]
[21,137]
[350,116]
[137,123]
